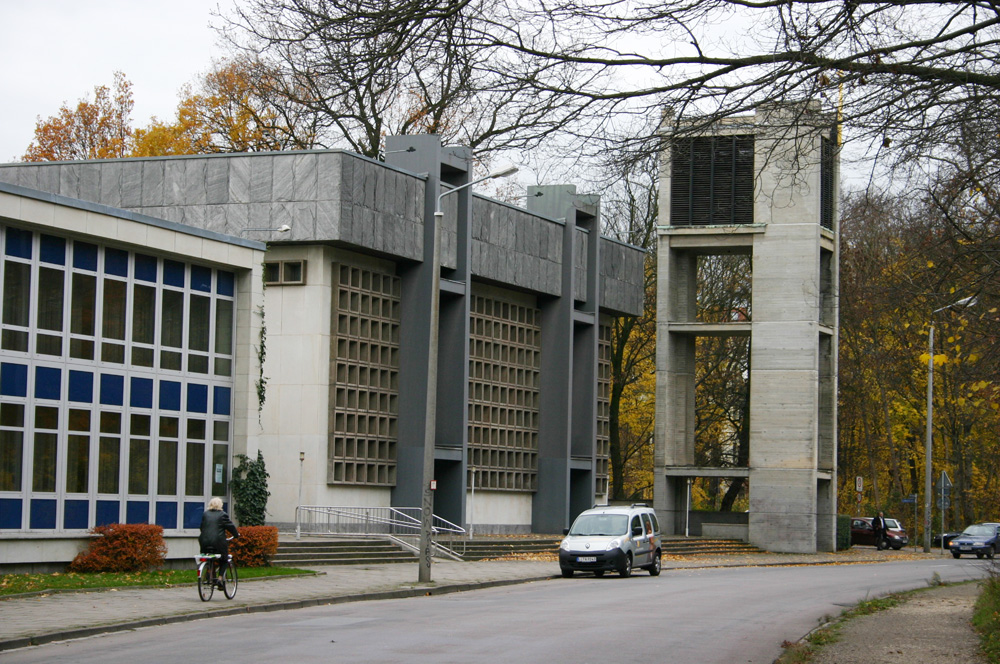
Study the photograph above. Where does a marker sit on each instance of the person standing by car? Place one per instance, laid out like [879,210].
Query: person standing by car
[878,525]
[215,523]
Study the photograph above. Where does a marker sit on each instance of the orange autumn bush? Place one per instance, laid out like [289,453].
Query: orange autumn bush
[255,546]
[121,547]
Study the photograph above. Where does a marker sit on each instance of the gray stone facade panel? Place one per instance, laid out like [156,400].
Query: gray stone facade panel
[341,198]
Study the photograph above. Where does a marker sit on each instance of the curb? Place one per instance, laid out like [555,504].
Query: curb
[84,632]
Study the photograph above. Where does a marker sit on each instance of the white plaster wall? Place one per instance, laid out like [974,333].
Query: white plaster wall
[498,508]
[294,417]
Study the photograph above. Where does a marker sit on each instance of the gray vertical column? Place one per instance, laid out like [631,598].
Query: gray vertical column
[583,445]
[442,166]
[414,320]
[453,356]
[568,390]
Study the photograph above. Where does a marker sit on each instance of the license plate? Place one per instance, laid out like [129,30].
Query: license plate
[966,548]
[586,559]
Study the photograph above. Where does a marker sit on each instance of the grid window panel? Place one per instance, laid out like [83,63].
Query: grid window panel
[84,334]
[504,350]
[603,408]
[364,373]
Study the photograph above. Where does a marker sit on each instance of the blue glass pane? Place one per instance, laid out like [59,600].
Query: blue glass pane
[170,395]
[141,395]
[116,262]
[173,273]
[192,515]
[18,242]
[85,256]
[43,513]
[145,267]
[226,283]
[137,512]
[166,515]
[48,383]
[220,400]
[201,278]
[197,398]
[14,380]
[108,511]
[10,513]
[53,249]
[112,390]
[81,386]
[75,513]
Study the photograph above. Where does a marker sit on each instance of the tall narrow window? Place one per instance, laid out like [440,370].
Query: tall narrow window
[82,311]
[11,446]
[113,321]
[16,298]
[223,337]
[78,451]
[50,311]
[171,328]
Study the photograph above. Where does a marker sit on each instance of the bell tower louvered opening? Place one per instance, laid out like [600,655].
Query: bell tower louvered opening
[712,181]
[826,183]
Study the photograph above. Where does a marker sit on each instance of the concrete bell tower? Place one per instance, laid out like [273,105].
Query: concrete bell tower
[764,187]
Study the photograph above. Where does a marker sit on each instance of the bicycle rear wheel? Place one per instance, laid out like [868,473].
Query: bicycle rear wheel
[229,580]
[206,580]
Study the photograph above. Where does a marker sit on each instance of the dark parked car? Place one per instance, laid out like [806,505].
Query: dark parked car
[863,533]
[979,538]
[948,537]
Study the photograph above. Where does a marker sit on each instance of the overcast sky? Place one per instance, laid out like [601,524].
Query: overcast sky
[56,51]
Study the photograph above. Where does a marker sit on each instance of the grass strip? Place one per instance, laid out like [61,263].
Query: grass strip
[16,584]
[803,651]
[986,617]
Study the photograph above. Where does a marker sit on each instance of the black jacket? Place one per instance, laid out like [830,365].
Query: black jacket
[214,524]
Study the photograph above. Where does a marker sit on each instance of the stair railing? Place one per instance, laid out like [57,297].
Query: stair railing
[398,524]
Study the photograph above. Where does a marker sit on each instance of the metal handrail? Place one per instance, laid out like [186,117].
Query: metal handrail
[393,522]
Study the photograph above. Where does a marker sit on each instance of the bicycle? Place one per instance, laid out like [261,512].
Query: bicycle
[209,579]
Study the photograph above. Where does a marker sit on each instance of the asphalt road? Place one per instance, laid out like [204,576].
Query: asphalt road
[704,616]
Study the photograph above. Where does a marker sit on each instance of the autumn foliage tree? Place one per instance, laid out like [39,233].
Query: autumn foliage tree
[98,129]
[228,109]
[907,261]
[232,109]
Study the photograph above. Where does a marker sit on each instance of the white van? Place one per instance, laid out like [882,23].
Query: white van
[614,539]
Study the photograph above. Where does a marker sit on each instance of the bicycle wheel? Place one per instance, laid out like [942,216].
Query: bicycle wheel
[229,580]
[206,580]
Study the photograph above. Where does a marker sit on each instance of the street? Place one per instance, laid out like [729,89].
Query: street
[701,615]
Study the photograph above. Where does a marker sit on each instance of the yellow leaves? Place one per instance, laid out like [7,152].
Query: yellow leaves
[100,129]
[930,263]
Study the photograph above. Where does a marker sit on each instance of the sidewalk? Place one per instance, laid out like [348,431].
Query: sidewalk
[42,618]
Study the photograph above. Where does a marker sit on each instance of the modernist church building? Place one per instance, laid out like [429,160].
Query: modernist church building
[161,316]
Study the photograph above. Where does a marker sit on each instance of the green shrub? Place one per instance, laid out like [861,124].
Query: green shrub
[843,532]
[986,616]
[120,547]
[250,492]
[255,546]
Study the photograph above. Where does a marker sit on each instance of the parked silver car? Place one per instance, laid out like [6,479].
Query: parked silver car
[614,539]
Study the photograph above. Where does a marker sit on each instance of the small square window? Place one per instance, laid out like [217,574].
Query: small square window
[284,273]
[293,272]
[272,273]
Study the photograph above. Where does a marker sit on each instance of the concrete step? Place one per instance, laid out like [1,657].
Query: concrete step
[304,553]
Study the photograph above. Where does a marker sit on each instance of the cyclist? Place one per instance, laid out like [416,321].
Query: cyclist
[215,523]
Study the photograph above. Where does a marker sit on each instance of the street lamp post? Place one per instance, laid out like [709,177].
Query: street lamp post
[929,435]
[430,433]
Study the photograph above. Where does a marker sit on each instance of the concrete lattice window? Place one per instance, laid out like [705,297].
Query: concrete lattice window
[365,378]
[504,362]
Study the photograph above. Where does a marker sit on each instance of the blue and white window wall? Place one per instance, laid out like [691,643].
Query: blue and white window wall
[118,371]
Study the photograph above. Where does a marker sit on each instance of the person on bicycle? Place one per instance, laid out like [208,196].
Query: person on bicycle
[215,523]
